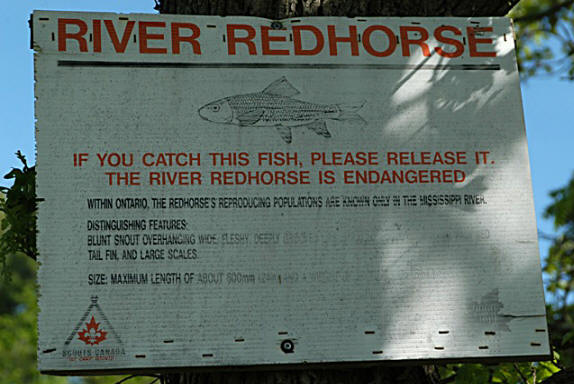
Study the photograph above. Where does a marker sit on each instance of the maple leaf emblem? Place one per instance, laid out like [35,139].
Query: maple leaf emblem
[92,334]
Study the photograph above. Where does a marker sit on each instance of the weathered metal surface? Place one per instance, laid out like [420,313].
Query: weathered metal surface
[237,192]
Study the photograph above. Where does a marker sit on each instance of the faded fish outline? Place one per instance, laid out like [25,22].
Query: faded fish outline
[276,107]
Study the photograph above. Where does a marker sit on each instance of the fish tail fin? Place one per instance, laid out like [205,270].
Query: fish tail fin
[348,112]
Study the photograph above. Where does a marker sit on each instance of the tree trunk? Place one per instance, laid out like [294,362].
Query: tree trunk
[280,9]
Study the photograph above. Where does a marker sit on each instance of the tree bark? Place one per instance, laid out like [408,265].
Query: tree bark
[280,9]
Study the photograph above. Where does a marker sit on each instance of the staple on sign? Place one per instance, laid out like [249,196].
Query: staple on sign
[483,347]
[415,22]
[134,38]
[490,333]
[361,19]
[377,352]
[224,38]
[439,348]
[207,355]
[91,37]
[44,18]
[290,37]
[211,26]
[369,332]
[240,340]
[464,40]
[295,21]
[282,332]
[443,332]
[123,18]
[168,341]
[534,344]
[540,330]
[53,37]
[140,356]
[49,350]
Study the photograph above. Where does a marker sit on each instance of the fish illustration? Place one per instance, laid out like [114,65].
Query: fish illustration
[276,107]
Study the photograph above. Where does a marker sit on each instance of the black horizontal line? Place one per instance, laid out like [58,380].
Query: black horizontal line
[151,64]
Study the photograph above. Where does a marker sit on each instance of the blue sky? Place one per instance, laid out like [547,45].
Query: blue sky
[548,102]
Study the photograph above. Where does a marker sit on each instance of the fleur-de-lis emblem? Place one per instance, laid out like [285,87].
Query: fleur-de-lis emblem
[92,334]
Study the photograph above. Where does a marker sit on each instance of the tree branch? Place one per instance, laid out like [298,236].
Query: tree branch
[517,369]
[550,11]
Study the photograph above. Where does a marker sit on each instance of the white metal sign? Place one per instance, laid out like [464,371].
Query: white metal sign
[236,191]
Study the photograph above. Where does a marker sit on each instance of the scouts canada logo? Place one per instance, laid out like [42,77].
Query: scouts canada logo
[93,338]
[92,334]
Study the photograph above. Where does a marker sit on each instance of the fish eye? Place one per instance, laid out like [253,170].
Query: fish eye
[215,108]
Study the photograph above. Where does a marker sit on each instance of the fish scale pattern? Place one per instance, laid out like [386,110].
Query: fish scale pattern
[278,109]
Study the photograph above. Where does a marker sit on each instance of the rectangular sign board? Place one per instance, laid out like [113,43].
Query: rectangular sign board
[240,192]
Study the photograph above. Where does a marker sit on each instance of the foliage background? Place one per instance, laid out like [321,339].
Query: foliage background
[546,47]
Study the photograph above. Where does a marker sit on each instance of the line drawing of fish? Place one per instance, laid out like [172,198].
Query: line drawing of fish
[276,107]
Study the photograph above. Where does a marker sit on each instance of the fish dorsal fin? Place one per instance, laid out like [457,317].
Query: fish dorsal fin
[320,128]
[281,87]
[250,117]
[285,133]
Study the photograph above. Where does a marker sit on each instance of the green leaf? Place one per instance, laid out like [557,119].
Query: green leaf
[567,337]
[472,374]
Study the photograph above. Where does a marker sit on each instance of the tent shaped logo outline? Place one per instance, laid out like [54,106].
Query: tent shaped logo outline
[96,330]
